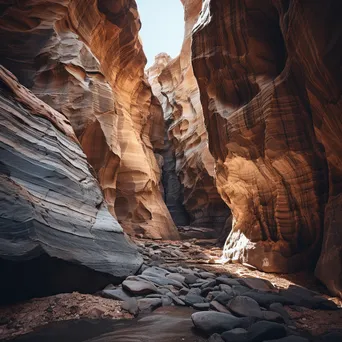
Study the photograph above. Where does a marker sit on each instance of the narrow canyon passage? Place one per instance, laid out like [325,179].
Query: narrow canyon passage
[170,171]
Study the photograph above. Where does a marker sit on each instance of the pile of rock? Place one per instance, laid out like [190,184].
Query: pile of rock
[178,252]
[229,309]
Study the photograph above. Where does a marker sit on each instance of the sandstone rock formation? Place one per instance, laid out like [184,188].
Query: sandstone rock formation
[84,58]
[50,201]
[172,188]
[270,84]
[174,84]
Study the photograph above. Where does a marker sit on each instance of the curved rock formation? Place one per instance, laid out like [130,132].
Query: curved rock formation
[172,188]
[183,113]
[84,58]
[269,77]
[50,202]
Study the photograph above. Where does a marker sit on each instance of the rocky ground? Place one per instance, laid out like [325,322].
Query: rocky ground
[232,302]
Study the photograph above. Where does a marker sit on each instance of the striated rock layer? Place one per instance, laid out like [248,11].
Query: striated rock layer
[270,84]
[50,202]
[84,58]
[172,188]
[173,82]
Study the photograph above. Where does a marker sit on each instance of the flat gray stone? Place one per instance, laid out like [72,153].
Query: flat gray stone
[130,305]
[183,291]
[206,275]
[148,304]
[176,276]
[117,294]
[266,299]
[190,279]
[245,306]
[218,307]
[225,288]
[240,289]
[235,335]
[191,299]
[138,287]
[206,291]
[272,316]
[210,283]
[201,306]
[211,321]
[161,281]
[264,330]
[195,291]
[227,281]
[175,299]
[279,308]
[155,272]
[166,301]
[223,298]
[257,284]
[212,294]
[154,295]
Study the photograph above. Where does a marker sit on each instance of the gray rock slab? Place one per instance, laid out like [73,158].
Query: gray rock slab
[139,287]
[211,321]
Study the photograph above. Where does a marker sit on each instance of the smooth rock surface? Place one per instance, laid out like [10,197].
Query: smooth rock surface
[264,330]
[210,321]
[245,306]
[51,203]
[139,287]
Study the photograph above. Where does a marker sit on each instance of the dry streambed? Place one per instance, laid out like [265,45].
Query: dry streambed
[193,303]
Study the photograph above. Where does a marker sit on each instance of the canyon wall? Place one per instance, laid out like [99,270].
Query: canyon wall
[174,84]
[269,76]
[51,203]
[172,188]
[85,59]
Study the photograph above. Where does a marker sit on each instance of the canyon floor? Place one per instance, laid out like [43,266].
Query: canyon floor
[178,279]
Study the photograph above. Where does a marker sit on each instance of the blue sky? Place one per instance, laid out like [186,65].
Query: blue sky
[162,27]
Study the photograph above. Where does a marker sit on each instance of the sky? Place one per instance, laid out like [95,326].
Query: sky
[162,27]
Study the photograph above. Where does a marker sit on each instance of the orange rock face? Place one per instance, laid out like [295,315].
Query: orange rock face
[173,82]
[84,58]
[270,84]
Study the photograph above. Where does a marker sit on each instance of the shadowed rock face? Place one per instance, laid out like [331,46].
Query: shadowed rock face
[270,84]
[84,58]
[172,188]
[50,202]
[173,82]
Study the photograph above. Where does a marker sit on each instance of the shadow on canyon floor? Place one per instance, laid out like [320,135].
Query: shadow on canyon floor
[168,324]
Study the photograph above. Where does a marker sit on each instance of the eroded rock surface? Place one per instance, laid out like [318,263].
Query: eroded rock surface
[51,203]
[174,84]
[269,79]
[85,59]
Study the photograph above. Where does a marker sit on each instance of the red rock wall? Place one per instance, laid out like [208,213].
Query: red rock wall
[85,59]
[270,82]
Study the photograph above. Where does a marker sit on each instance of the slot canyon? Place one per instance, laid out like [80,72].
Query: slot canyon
[193,198]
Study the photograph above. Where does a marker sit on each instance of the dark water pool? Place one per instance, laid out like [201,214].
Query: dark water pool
[169,324]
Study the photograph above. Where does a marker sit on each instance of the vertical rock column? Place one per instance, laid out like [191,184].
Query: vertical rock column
[270,88]
[172,187]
